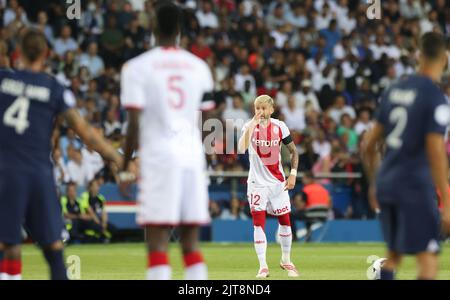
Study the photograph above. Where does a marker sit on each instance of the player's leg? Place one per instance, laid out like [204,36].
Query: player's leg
[157,252]
[257,198]
[194,212]
[260,242]
[195,267]
[2,256]
[285,235]
[12,263]
[390,266]
[45,223]
[428,265]
[281,205]
[13,199]
[158,210]
[390,227]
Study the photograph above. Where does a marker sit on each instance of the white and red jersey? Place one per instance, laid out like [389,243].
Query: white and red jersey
[169,86]
[265,153]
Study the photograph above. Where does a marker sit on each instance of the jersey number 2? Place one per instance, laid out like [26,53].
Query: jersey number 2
[399,117]
[17,115]
[176,94]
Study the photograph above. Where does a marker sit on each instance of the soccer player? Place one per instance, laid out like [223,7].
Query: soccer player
[163,90]
[410,122]
[267,186]
[30,101]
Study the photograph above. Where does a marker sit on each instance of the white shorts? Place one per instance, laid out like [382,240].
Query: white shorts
[171,196]
[272,199]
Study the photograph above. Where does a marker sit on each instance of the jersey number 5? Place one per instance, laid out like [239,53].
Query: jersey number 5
[17,115]
[176,94]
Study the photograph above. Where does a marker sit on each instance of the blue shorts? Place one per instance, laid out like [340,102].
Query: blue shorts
[29,200]
[410,221]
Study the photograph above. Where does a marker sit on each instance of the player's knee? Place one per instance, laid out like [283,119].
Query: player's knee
[259,219]
[284,220]
[56,246]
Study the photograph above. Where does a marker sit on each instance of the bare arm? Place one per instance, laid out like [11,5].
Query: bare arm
[371,159]
[132,139]
[292,179]
[437,158]
[91,137]
[294,155]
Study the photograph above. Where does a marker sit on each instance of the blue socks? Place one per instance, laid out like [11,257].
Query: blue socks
[55,260]
[386,275]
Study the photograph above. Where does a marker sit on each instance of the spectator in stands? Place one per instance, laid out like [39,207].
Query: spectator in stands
[309,157]
[65,42]
[339,108]
[78,171]
[42,24]
[294,116]
[315,203]
[69,139]
[307,94]
[235,212]
[321,145]
[92,60]
[60,169]
[96,201]
[363,124]
[214,209]
[206,17]
[79,217]
[347,134]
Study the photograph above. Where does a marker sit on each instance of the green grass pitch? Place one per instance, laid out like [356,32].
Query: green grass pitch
[228,261]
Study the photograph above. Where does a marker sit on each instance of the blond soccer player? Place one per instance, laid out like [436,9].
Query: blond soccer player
[267,185]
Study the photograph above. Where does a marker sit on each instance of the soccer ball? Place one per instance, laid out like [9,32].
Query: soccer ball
[374,271]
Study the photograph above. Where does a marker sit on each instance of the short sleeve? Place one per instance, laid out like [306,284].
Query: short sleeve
[65,99]
[284,130]
[439,113]
[132,88]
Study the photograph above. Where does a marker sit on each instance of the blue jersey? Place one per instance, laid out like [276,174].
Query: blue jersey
[29,103]
[409,109]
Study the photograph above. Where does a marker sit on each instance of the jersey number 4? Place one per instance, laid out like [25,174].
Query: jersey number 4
[16,115]
[399,117]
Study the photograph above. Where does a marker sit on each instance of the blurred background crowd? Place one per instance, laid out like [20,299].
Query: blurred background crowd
[323,62]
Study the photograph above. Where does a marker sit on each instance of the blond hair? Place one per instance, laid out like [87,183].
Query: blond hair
[265,99]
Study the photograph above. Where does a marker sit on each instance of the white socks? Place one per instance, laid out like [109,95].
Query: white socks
[285,234]
[260,241]
[161,272]
[196,272]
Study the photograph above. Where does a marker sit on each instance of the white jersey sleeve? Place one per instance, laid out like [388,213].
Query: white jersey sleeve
[284,130]
[132,88]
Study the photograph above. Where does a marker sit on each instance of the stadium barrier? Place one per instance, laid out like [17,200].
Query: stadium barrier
[225,185]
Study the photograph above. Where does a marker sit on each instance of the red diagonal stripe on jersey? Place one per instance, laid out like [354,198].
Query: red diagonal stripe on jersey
[274,169]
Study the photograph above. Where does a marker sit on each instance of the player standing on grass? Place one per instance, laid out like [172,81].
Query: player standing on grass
[163,90]
[411,121]
[30,101]
[267,186]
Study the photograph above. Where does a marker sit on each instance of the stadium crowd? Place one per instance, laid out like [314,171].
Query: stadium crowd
[323,62]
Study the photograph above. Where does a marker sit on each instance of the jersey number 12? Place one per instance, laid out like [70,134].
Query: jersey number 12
[16,115]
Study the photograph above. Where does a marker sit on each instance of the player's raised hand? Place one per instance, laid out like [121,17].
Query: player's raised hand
[257,118]
[290,182]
